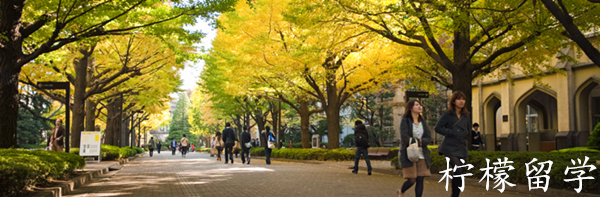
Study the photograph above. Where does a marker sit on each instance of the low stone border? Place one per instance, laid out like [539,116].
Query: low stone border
[74,183]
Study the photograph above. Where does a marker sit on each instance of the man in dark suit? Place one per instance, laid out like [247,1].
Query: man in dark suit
[56,137]
[245,142]
[158,145]
[229,138]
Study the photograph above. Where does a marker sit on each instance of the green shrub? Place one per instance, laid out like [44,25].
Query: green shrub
[111,153]
[137,150]
[594,140]
[21,169]
[298,145]
[307,154]
[204,150]
[518,176]
[31,146]
[577,149]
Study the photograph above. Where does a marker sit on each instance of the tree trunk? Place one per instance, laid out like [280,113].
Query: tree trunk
[77,125]
[10,54]
[274,116]
[461,81]
[332,110]
[90,115]
[113,123]
[110,116]
[9,103]
[260,123]
[304,123]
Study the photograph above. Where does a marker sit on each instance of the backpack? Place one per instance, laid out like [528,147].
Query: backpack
[361,140]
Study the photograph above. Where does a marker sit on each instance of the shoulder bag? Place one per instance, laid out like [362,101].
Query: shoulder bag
[412,152]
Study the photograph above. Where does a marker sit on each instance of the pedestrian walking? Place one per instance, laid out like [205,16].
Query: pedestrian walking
[270,139]
[414,129]
[454,126]
[158,146]
[173,146]
[290,144]
[212,147]
[185,144]
[56,136]
[218,144]
[246,145]
[193,148]
[361,137]
[151,146]
[476,142]
[229,138]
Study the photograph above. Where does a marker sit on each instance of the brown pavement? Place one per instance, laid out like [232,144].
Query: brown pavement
[201,175]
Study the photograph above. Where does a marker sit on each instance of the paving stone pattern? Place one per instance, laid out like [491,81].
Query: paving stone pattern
[201,175]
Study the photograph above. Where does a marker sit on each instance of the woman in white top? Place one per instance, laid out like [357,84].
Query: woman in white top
[414,129]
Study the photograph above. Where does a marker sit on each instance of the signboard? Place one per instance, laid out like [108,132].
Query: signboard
[90,143]
[315,141]
[417,94]
[54,85]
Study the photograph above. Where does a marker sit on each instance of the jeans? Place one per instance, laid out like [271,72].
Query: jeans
[151,150]
[268,154]
[228,153]
[365,153]
[245,152]
[173,149]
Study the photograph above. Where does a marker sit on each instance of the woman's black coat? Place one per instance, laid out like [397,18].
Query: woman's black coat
[406,133]
[457,135]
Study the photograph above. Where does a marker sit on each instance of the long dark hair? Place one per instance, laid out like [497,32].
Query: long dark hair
[408,108]
[218,134]
[455,96]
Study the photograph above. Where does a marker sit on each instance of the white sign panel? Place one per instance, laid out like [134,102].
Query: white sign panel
[90,143]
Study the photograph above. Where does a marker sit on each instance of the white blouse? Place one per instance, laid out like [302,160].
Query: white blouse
[418,133]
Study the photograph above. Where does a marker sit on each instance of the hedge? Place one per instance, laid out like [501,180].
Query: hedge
[307,154]
[110,153]
[204,150]
[518,176]
[21,169]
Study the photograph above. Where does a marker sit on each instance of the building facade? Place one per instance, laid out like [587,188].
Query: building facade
[521,115]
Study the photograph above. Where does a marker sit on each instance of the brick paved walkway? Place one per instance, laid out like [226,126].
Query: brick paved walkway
[201,175]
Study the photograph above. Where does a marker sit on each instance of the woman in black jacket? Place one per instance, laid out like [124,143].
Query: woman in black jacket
[455,125]
[414,128]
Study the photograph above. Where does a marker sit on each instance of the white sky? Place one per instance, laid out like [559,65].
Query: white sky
[192,71]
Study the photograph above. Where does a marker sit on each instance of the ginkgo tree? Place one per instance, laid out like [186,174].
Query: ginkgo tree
[262,51]
[29,29]
[460,40]
[107,65]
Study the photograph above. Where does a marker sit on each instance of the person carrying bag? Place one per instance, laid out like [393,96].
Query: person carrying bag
[415,157]
[185,145]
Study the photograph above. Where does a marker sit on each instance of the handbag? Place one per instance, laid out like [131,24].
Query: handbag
[248,144]
[272,141]
[412,152]
[213,151]
[237,146]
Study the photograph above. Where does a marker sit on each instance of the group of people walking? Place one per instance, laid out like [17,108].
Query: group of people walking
[183,146]
[454,125]
[227,142]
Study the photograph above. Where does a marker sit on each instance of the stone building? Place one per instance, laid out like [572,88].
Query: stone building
[558,113]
